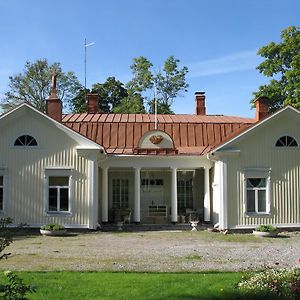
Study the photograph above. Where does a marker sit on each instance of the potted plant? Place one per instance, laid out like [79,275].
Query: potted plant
[53,230]
[265,231]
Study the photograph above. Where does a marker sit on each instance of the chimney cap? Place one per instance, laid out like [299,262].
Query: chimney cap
[199,93]
[262,98]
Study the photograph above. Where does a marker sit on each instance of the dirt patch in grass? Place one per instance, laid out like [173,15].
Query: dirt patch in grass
[152,251]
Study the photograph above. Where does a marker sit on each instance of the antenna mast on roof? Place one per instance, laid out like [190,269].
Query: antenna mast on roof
[85,46]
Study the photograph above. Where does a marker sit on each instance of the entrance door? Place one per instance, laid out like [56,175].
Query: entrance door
[152,194]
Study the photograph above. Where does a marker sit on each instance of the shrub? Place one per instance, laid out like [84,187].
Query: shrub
[284,283]
[16,289]
[53,227]
[266,228]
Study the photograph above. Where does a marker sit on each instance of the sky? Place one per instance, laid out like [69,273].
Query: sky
[216,39]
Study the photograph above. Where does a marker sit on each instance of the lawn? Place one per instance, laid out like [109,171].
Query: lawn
[102,285]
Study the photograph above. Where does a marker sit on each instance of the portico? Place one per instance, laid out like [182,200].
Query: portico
[154,189]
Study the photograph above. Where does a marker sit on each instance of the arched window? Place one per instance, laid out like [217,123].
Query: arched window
[25,140]
[286,141]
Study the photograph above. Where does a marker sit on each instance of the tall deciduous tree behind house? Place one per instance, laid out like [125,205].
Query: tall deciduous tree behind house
[139,92]
[282,64]
[34,85]
[165,85]
[110,93]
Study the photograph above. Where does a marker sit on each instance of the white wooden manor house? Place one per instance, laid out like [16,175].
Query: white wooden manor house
[83,169]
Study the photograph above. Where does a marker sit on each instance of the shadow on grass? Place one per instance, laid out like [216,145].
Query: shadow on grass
[227,296]
[279,236]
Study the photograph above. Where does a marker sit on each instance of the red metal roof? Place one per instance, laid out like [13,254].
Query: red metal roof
[192,134]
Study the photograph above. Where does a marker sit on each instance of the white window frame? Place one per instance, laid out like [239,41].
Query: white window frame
[57,172]
[258,173]
[3,173]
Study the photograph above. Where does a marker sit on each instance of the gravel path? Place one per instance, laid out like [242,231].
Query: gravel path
[164,251]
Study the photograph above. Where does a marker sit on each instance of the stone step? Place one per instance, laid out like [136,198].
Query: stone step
[152,227]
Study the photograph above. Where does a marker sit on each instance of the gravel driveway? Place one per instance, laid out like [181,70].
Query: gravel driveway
[154,251]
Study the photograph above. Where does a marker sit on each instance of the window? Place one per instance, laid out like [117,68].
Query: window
[257,191]
[58,194]
[256,195]
[152,182]
[58,190]
[25,140]
[120,193]
[286,141]
[185,193]
[1,192]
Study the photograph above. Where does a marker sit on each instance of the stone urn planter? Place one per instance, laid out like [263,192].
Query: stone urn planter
[265,231]
[194,225]
[53,230]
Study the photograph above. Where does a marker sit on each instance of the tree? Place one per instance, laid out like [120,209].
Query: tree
[78,104]
[132,104]
[34,85]
[282,64]
[140,91]
[165,85]
[110,94]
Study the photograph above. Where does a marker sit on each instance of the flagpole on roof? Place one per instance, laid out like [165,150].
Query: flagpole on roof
[155,108]
[85,46]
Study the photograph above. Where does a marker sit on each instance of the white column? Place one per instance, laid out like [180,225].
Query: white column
[223,195]
[174,195]
[93,192]
[105,194]
[206,195]
[137,195]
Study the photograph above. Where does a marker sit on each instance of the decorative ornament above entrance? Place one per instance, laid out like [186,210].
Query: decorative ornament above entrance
[156,139]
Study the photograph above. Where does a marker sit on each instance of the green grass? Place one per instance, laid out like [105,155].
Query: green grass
[97,285]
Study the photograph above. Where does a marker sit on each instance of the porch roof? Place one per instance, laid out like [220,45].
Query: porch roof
[192,134]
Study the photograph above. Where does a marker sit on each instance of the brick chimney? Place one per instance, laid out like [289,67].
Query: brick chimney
[92,103]
[200,103]
[262,108]
[53,103]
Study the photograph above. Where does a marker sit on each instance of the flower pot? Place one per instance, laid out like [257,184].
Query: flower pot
[265,233]
[53,232]
[194,225]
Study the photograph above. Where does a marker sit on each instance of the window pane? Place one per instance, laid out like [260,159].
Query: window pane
[249,183]
[31,142]
[159,182]
[52,199]
[1,198]
[256,182]
[64,199]
[250,201]
[1,180]
[262,207]
[59,181]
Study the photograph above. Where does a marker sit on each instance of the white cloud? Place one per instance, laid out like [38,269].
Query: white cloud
[239,61]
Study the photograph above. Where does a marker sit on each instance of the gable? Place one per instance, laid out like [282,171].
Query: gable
[285,122]
[26,120]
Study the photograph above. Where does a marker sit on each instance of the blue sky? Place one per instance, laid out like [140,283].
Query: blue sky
[216,39]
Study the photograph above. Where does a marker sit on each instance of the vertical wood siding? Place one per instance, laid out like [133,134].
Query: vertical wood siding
[258,151]
[26,169]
